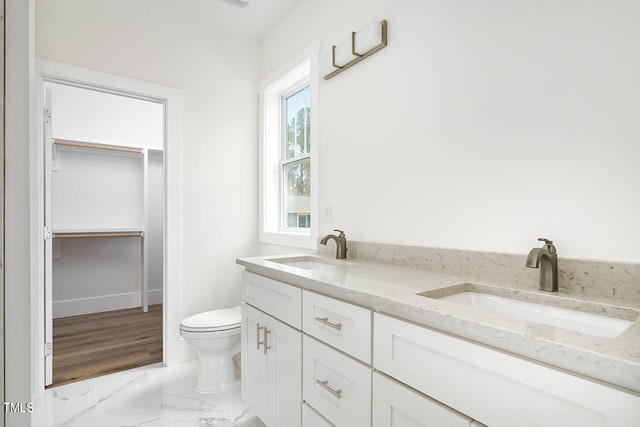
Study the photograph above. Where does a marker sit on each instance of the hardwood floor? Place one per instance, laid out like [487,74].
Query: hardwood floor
[97,344]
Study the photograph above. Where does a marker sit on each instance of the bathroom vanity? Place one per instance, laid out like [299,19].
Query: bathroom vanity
[370,343]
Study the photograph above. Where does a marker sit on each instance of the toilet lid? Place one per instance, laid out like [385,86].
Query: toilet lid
[216,320]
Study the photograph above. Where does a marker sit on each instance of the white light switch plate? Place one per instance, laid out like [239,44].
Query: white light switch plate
[327,214]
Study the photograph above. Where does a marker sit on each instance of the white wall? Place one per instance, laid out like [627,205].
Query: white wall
[95,189]
[170,44]
[482,125]
[86,115]
[19,71]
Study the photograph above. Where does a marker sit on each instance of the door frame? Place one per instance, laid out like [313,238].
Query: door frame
[174,349]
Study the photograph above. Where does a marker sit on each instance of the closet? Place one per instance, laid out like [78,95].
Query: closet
[104,206]
[101,192]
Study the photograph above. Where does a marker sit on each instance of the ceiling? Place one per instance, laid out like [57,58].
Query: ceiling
[252,21]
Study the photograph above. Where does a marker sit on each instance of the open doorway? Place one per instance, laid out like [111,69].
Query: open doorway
[104,207]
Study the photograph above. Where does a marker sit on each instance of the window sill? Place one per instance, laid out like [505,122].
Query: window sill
[289,238]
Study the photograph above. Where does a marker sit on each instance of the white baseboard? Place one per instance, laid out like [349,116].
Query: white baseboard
[76,307]
[155,296]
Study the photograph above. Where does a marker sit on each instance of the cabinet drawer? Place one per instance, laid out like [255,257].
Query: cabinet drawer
[310,418]
[338,387]
[344,326]
[490,386]
[280,300]
[395,405]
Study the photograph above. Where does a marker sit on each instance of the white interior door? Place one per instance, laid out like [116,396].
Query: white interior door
[48,243]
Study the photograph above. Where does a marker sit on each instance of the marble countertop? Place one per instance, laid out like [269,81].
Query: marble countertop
[393,289]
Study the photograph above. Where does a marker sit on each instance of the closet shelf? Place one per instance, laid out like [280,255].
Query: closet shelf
[93,233]
[95,146]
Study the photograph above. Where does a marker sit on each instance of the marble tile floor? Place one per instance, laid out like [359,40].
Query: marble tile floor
[151,396]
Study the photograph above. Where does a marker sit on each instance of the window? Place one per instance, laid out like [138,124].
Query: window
[288,155]
[304,221]
[296,159]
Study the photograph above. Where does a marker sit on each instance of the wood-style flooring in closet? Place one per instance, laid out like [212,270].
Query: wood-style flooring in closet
[97,344]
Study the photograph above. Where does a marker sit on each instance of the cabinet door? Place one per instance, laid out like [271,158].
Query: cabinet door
[395,405]
[284,368]
[254,361]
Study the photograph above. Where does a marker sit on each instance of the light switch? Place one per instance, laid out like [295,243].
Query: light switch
[327,214]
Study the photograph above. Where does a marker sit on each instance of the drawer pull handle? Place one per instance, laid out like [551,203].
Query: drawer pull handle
[266,340]
[324,385]
[258,342]
[325,321]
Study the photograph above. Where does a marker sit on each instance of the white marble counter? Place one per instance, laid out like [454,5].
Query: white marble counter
[392,289]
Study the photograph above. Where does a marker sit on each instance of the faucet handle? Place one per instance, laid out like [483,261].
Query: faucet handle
[548,244]
[339,231]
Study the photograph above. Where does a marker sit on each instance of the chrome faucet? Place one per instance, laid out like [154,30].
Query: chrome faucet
[545,258]
[341,243]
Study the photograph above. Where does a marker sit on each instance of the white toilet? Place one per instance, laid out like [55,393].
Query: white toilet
[216,336]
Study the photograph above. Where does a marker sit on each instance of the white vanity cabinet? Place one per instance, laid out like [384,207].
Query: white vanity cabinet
[335,385]
[395,405]
[493,387]
[271,352]
[314,361]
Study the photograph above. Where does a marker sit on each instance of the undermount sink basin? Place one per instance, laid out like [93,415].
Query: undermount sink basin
[547,312]
[307,262]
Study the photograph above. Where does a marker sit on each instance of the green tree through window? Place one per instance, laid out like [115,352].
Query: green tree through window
[297,165]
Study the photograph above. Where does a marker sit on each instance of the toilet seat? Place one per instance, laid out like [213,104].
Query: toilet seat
[213,321]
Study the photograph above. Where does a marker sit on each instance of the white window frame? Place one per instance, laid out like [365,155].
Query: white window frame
[291,77]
